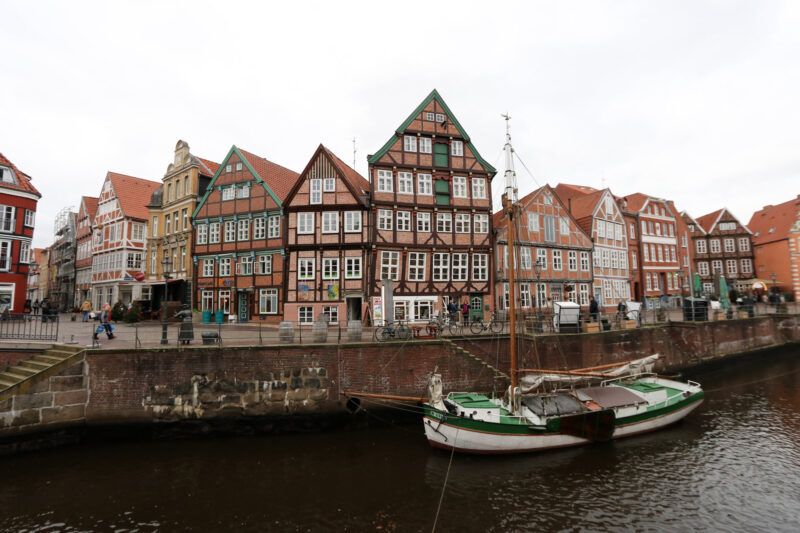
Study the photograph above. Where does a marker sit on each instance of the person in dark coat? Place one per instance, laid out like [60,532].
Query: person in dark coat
[465,311]
[594,309]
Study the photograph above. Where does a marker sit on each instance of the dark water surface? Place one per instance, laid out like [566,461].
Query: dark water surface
[732,465]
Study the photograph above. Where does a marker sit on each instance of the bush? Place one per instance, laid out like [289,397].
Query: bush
[132,315]
[117,311]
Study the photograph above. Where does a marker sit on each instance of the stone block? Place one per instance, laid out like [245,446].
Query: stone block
[223,386]
[70,397]
[74,370]
[296,372]
[231,398]
[25,418]
[277,395]
[322,372]
[279,385]
[6,404]
[318,394]
[63,414]
[297,395]
[243,387]
[33,401]
[206,396]
[296,383]
[313,383]
[62,383]
[42,385]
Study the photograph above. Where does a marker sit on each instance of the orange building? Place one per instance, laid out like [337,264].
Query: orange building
[776,243]
[83,254]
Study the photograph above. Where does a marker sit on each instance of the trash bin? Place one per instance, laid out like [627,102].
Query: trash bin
[219,317]
[206,317]
[210,337]
[695,310]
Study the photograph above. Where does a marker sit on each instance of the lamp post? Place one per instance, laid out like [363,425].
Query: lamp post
[165,266]
[774,277]
[537,267]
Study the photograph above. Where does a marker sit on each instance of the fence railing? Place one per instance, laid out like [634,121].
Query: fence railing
[29,327]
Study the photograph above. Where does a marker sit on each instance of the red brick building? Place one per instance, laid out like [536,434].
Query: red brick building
[327,242]
[238,238]
[431,206]
[776,243]
[546,233]
[18,198]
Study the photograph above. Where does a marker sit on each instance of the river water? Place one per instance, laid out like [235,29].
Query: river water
[732,465]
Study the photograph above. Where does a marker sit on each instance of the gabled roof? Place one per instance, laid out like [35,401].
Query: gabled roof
[133,194]
[684,214]
[500,221]
[434,95]
[89,205]
[355,182]
[774,222]
[207,167]
[23,180]
[708,221]
[359,182]
[635,201]
[567,190]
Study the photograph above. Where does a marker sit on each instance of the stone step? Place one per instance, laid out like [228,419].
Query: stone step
[61,354]
[24,371]
[6,382]
[36,365]
[14,377]
[48,359]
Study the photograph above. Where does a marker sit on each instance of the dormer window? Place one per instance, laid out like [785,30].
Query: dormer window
[329,184]
[7,175]
[771,230]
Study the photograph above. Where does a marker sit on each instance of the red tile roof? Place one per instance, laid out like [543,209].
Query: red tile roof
[279,179]
[635,201]
[90,203]
[23,180]
[707,221]
[133,193]
[37,255]
[359,182]
[211,167]
[773,222]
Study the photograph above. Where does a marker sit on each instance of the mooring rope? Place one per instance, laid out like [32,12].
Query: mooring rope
[444,486]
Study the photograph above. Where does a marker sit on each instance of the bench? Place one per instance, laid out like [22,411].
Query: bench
[431,331]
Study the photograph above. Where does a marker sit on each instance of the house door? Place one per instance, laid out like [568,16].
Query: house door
[440,155]
[475,307]
[353,308]
[244,307]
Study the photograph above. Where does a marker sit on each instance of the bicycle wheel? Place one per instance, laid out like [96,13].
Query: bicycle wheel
[476,327]
[496,326]
[377,334]
[453,328]
[403,332]
[387,333]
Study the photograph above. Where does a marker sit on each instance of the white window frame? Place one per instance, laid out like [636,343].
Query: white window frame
[481,224]
[214,232]
[259,228]
[385,218]
[30,218]
[228,193]
[441,266]
[405,183]
[330,222]
[352,268]
[390,265]
[268,301]
[404,221]
[306,269]
[417,262]
[457,148]
[385,181]
[459,187]
[459,267]
[224,267]
[424,184]
[264,264]
[230,231]
[208,268]
[273,226]
[305,223]
[480,267]
[243,230]
[423,222]
[315,191]
[330,268]
[409,143]
[352,221]
[425,145]
[462,224]
[444,222]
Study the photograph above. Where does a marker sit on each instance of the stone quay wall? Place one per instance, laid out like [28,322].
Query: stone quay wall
[129,387]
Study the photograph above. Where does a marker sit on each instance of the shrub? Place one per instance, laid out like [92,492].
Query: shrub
[132,315]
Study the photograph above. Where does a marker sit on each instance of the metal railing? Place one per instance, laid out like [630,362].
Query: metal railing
[29,327]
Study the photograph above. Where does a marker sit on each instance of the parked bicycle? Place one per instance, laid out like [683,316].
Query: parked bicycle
[446,322]
[392,331]
[479,326]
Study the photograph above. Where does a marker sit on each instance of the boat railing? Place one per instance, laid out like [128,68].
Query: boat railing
[626,377]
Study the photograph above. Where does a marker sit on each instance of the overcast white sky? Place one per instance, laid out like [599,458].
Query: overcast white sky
[692,101]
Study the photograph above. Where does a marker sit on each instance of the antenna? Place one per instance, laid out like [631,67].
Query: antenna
[354,153]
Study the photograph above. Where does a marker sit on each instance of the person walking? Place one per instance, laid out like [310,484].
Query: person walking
[86,306]
[36,305]
[105,322]
[594,309]
[465,312]
[452,311]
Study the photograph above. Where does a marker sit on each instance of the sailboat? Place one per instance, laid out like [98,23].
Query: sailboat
[545,409]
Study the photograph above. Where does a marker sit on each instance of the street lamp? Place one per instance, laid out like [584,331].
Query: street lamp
[774,277]
[165,266]
[537,267]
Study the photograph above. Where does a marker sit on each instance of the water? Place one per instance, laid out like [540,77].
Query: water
[732,465]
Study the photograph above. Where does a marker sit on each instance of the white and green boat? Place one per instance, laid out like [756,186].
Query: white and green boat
[555,409]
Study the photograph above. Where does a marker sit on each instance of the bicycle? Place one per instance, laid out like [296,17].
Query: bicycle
[392,331]
[479,326]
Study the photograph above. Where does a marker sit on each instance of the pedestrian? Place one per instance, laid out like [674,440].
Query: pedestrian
[86,306]
[452,310]
[594,310]
[36,306]
[105,322]
[465,312]
[622,309]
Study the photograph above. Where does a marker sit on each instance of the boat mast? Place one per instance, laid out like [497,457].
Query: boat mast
[510,201]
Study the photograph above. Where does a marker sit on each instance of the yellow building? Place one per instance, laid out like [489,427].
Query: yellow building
[170,227]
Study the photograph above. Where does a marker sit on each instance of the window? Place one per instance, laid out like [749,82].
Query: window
[274,226]
[441,267]
[480,267]
[416,266]
[316,191]
[747,266]
[601,229]
[213,232]
[225,266]
[169,192]
[744,245]
[352,268]
[305,223]
[405,183]
[230,230]
[716,267]
[305,315]
[246,266]
[228,168]
[439,117]
[154,232]
[701,246]
[702,268]
[137,232]
[660,250]
[30,218]
[330,222]
[404,221]
[352,221]
[444,222]
[384,219]
[549,228]
[385,181]
[525,258]
[268,301]
[228,193]
[655,281]
[572,261]
[176,221]
[332,312]
[541,257]
[153,254]
[672,253]
[390,262]
[683,241]
[329,184]
[244,230]
[557,264]
[305,269]
[481,223]
[330,268]
[259,228]
[429,116]
[525,294]
[206,300]
[423,222]
[564,227]
[727,226]
[186,186]
[409,143]
[457,148]
[730,245]
[134,261]
[714,245]
[462,223]
[424,145]
[460,267]
[459,187]
[25,252]
[224,304]
[208,268]
[633,231]
[731,266]
[424,184]
[708,288]
[264,264]
[243,191]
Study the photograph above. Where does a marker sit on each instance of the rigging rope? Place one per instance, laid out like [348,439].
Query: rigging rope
[446,476]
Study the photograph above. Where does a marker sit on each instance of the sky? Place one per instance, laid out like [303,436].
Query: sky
[692,101]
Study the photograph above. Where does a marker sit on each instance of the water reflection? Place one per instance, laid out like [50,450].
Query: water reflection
[732,465]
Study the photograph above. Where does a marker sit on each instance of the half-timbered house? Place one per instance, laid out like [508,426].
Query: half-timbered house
[547,236]
[119,234]
[431,207]
[83,251]
[238,239]
[327,242]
